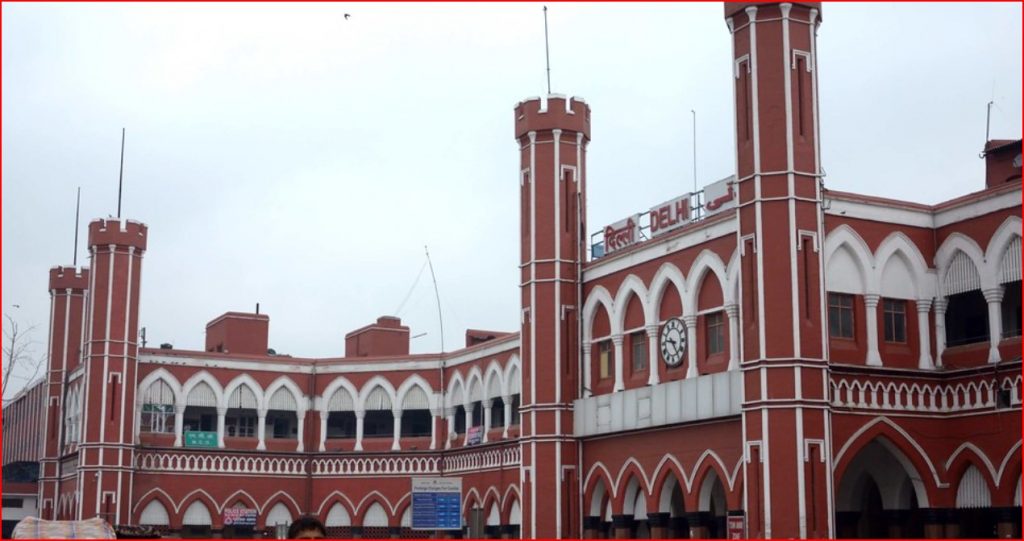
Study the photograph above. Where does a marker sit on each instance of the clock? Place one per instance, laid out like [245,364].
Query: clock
[673,342]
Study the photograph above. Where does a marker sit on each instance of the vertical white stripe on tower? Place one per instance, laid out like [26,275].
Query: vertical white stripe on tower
[533,332]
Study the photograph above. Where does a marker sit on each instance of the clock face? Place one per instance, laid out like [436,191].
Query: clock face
[673,342]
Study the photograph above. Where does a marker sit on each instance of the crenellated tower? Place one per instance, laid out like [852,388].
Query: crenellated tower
[106,449]
[552,140]
[786,420]
[68,289]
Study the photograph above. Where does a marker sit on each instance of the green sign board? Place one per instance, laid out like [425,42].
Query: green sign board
[200,439]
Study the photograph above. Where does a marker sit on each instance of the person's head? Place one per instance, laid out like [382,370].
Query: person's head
[307,527]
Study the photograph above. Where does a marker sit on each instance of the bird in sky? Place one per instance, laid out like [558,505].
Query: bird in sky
[347,15]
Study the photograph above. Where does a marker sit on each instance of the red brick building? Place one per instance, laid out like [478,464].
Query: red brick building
[765,358]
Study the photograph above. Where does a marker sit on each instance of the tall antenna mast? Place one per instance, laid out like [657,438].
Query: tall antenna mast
[78,206]
[694,150]
[437,295]
[988,119]
[547,53]
[120,176]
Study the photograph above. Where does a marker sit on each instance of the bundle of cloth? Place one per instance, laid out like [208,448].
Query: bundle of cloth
[34,528]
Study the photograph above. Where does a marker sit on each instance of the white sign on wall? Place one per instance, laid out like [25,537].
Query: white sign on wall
[622,234]
[670,215]
[719,196]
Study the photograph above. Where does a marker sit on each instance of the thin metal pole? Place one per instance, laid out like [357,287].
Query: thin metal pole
[694,150]
[78,206]
[437,295]
[547,53]
[120,176]
[988,119]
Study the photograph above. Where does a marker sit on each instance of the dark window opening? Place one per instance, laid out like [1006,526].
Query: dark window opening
[200,419]
[460,419]
[477,417]
[13,503]
[282,425]
[715,332]
[1003,398]
[1011,309]
[379,424]
[416,423]
[341,424]
[895,320]
[515,409]
[157,418]
[497,413]
[196,532]
[801,77]
[241,423]
[638,343]
[966,318]
[840,315]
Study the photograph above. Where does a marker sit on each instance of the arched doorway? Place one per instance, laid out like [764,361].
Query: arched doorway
[671,502]
[879,494]
[711,524]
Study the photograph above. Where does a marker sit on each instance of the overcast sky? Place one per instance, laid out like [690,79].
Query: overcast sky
[281,154]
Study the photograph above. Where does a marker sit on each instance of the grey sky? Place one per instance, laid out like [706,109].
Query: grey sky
[283,155]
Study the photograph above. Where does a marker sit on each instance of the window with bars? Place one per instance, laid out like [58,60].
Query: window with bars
[895,320]
[638,344]
[840,315]
[1011,309]
[241,425]
[715,330]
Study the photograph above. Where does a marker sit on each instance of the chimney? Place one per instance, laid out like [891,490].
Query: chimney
[386,337]
[238,332]
[1002,162]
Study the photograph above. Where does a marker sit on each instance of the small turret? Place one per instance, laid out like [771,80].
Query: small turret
[566,115]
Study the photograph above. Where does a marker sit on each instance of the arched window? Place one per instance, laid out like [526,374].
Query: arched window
[341,416]
[201,409]
[416,418]
[241,417]
[379,421]
[158,408]
[155,514]
[196,522]
[967,310]
[279,514]
[375,517]
[282,415]
[513,391]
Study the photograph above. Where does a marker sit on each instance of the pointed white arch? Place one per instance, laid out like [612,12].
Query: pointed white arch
[337,516]
[632,285]
[706,261]
[240,380]
[287,383]
[273,496]
[667,274]
[197,514]
[157,490]
[855,254]
[155,514]
[236,494]
[330,497]
[474,385]
[203,377]
[339,383]
[632,493]
[279,514]
[944,256]
[494,382]
[513,376]
[898,249]
[162,374]
[732,276]
[598,298]
[412,383]
[997,248]
[973,492]
[369,386]
[980,454]
[375,516]
[456,391]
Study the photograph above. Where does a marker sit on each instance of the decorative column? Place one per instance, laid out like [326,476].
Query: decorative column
[396,444]
[619,378]
[359,429]
[507,401]
[924,361]
[179,424]
[691,345]
[487,403]
[220,426]
[261,429]
[436,418]
[733,312]
[994,298]
[450,414]
[653,358]
[300,432]
[871,322]
[940,328]
[467,409]
[324,415]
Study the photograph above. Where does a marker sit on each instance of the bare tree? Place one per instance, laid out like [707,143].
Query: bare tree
[21,363]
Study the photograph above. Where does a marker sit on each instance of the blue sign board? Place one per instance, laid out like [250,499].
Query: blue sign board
[437,503]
